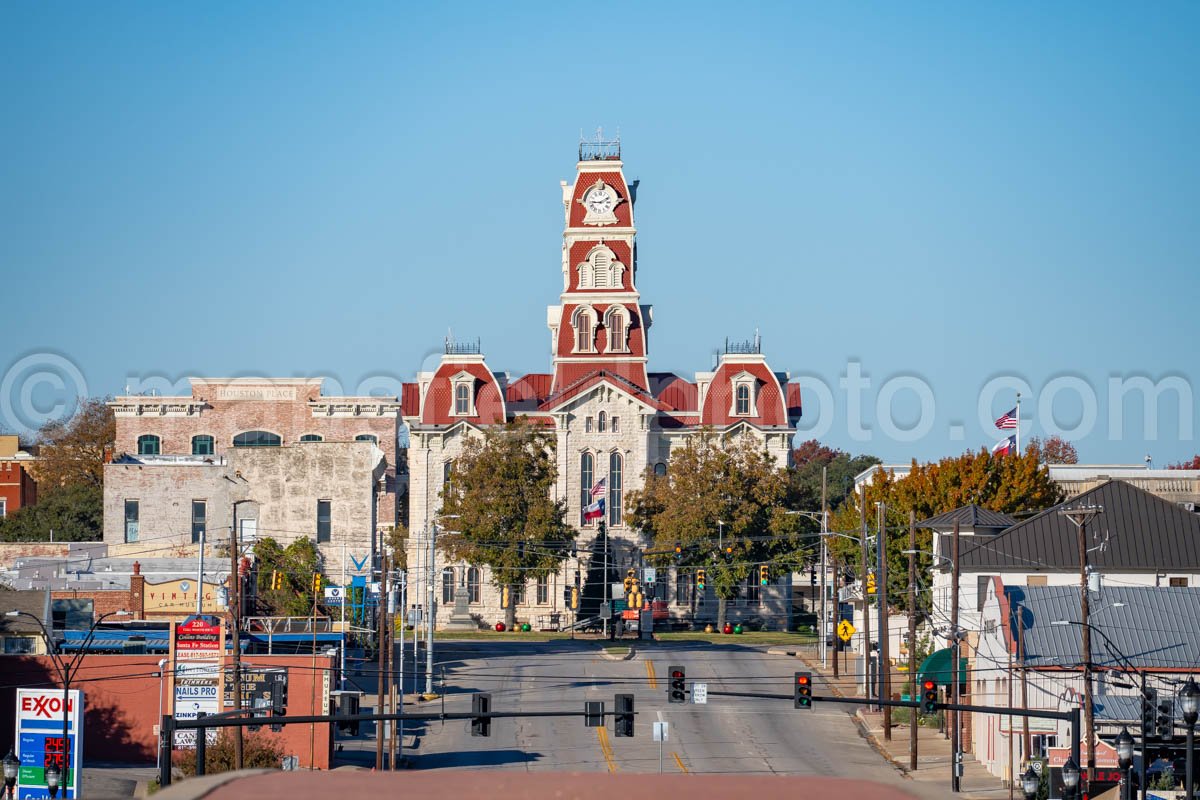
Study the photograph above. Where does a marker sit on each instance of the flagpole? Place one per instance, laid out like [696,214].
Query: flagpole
[1018,423]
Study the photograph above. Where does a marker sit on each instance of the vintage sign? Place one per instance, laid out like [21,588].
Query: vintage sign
[40,741]
[179,597]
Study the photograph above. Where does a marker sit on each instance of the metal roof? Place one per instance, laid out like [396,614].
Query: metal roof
[1152,627]
[1136,531]
[970,517]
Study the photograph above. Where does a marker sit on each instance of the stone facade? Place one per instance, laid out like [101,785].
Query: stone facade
[276,489]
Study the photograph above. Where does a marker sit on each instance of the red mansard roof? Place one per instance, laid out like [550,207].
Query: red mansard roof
[718,401]
[410,400]
[635,338]
[673,392]
[795,407]
[585,181]
[579,252]
[593,377]
[571,373]
[439,401]
[529,390]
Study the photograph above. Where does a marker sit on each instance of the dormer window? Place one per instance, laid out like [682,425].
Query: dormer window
[616,320]
[601,270]
[464,396]
[585,330]
[745,395]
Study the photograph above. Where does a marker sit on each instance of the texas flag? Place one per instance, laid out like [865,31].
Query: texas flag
[1005,446]
[596,509]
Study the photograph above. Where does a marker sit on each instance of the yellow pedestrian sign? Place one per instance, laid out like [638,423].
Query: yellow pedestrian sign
[845,630]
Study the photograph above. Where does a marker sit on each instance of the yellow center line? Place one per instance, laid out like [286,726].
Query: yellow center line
[679,762]
[650,672]
[606,748]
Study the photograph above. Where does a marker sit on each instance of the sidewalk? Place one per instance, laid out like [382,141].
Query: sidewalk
[933,749]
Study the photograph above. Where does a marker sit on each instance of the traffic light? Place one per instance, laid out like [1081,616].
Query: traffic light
[276,580]
[678,553]
[929,697]
[481,703]
[1165,722]
[701,579]
[870,583]
[729,552]
[316,583]
[593,714]
[803,690]
[677,688]
[1149,712]
[629,581]
[764,575]
[623,720]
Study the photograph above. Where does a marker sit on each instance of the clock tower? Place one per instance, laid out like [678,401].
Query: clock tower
[599,326]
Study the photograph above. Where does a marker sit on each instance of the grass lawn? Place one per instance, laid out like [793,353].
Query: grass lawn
[506,636]
[749,637]
[616,650]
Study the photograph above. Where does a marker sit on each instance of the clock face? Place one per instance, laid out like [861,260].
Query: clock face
[600,201]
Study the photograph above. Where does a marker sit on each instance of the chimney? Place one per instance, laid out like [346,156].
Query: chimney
[137,592]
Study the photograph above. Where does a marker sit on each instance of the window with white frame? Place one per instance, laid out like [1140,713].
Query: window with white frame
[584,322]
[473,584]
[616,320]
[615,464]
[745,395]
[447,585]
[601,422]
[3,507]
[464,397]
[587,425]
[743,400]
[601,270]
[543,590]
[614,424]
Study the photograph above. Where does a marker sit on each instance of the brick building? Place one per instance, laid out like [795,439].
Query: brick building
[285,460]
[17,486]
[611,416]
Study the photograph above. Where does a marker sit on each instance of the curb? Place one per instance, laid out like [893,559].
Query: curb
[632,652]
[195,788]
[878,747]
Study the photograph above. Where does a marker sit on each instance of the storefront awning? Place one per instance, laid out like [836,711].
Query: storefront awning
[939,667]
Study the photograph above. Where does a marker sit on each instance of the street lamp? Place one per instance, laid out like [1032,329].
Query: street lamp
[53,774]
[1189,702]
[12,765]
[1030,782]
[1070,777]
[1125,760]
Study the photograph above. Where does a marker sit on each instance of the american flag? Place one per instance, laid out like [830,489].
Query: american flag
[598,489]
[596,509]
[1005,446]
[1007,420]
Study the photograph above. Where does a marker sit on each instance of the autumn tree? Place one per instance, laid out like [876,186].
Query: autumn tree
[499,511]
[72,452]
[804,478]
[296,564]
[1053,450]
[720,493]
[1193,463]
[1011,484]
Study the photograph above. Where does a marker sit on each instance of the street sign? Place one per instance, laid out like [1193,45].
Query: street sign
[649,574]
[40,741]
[700,693]
[660,732]
[1038,766]
[605,611]
[845,630]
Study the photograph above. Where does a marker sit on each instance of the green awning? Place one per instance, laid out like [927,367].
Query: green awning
[939,667]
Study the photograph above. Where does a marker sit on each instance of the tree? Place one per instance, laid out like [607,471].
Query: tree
[397,540]
[1053,450]
[499,511]
[716,494]
[1194,463]
[804,478]
[296,563]
[72,513]
[1010,484]
[72,451]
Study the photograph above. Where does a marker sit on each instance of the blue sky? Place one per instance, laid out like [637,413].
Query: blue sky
[936,193]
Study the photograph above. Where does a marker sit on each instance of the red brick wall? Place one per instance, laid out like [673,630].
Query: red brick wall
[121,700]
[17,486]
[105,602]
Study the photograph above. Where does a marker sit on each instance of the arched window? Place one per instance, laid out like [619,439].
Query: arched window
[202,445]
[257,439]
[462,399]
[586,473]
[743,400]
[617,322]
[614,489]
[660,468]
[448,585]
[602,267]
[447,478]
[601,422]
[367,437]
[473,584]
[583,333]
[312,437]
[149,445]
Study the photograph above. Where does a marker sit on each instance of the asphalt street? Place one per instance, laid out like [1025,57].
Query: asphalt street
[726,735]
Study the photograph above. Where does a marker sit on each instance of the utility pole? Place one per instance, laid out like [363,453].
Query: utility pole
[912,636]
[881,597]
[604,596]
[429,616]
[382,611]
[955,743]
[235,601]
[200,573]
[837,642]
[1026,740]
[824,556]
[866,560]
[1081,516]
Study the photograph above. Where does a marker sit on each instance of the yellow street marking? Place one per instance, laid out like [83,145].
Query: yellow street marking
[606,748]
[650,672]
[679,762]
